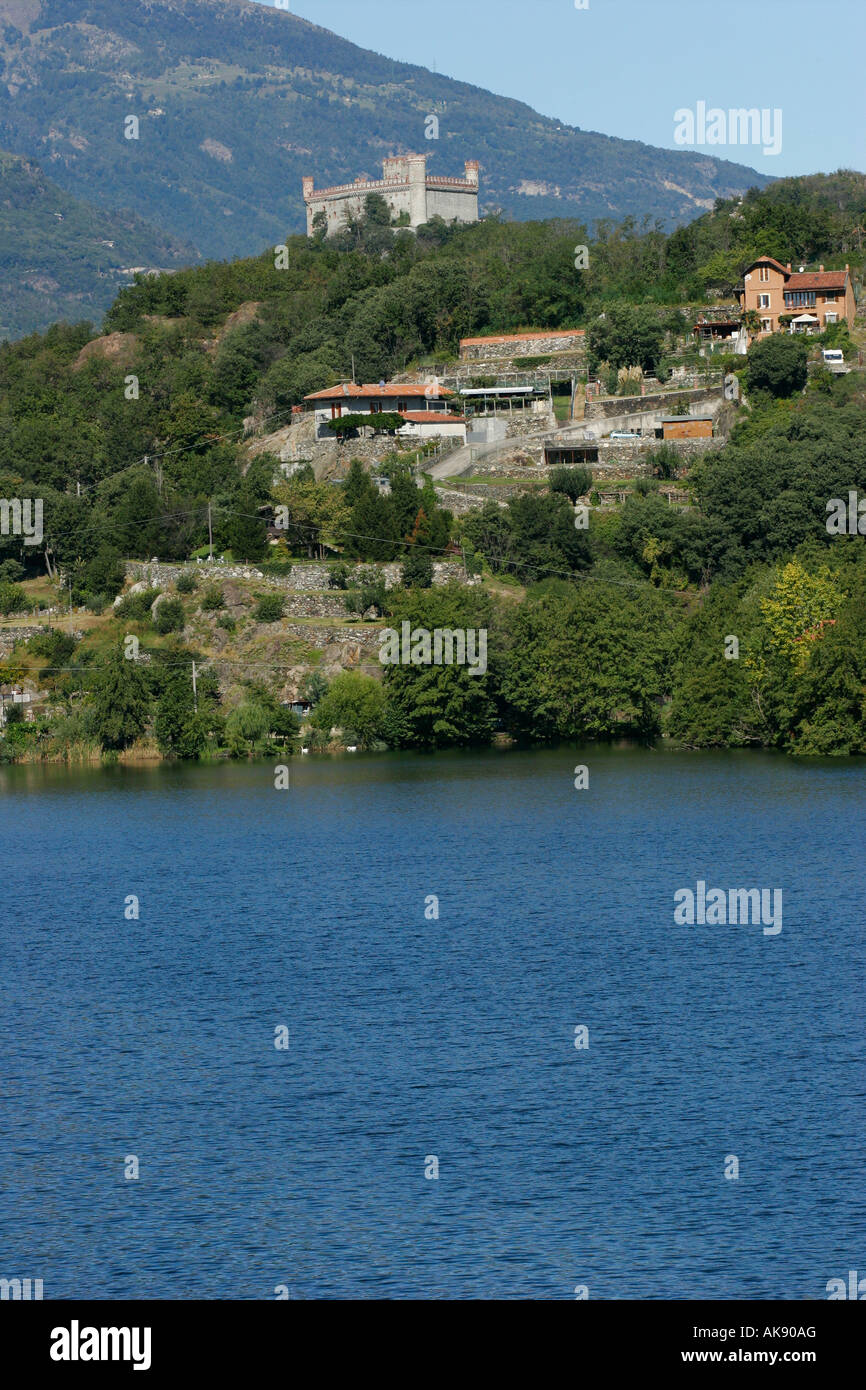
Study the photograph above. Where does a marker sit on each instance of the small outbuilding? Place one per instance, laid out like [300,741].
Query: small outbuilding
[685,427]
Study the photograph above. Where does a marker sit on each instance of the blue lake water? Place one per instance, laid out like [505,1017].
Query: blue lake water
[412,1038]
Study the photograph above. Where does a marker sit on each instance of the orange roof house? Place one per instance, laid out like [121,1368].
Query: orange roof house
[424,408]
[808,300]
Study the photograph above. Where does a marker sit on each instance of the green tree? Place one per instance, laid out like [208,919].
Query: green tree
[246,531]
[594,665]
[170,616]
[180,731]
[778,364]
[417,570]
[572,482]
[627,336]
[119,701]
[434,706]
[353,702]
[269,608]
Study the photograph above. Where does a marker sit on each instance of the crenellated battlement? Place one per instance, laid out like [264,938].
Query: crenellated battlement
[407,189]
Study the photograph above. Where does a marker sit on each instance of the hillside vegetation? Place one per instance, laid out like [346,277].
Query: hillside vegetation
[621,629]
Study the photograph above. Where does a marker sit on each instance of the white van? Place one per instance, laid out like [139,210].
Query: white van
[834,358]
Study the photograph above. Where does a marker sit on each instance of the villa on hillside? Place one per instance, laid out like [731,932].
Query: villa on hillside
[413,196]
[424,408]
[803,301]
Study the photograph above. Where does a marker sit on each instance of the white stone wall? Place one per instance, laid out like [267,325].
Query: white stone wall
[451,204]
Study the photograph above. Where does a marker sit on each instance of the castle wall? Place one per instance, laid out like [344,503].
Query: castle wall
[450,204]
[406,188]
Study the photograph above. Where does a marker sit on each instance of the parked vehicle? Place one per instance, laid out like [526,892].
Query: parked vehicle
[834,358]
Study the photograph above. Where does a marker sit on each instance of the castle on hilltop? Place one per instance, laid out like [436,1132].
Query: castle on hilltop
[406,187]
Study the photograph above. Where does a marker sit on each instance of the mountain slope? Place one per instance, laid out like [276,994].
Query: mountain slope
[60,258]
[236,102]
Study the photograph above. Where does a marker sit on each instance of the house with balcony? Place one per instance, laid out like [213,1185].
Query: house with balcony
[424,408]
[796,301]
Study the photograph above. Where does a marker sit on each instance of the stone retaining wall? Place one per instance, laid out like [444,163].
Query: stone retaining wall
[304,577]
[536,345]
[10,635]
[609,407]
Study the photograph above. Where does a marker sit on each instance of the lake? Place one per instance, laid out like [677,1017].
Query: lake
[416,1040]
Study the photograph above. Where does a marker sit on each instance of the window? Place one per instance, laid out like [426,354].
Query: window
[830,298]
[831,318]
[766,325]
[799,299]
[764,274]
[763,301]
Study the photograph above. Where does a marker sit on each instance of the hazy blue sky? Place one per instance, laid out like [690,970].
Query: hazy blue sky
[623,67]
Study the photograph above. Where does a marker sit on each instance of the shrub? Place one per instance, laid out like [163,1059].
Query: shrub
[315,688]
[137,606]
[417,568]
[227,622]
[170,616]
[187,583]
[269,608]
[212,600]
[664,461]
[339,575]
[12,598]
[573,482]
[777,365]
[56,646]
[281,568]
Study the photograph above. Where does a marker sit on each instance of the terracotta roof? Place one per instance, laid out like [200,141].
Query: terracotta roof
[525,337]
[349,389]
[817,280]
[768,260]
[431,417]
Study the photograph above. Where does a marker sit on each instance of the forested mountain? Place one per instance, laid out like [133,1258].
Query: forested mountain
[236,102]
[62,259]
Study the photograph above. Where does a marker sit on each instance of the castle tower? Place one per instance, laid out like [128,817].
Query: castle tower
[416,165]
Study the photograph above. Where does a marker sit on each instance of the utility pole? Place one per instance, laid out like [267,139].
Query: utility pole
[69,582]
[194,690]
[209,531]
